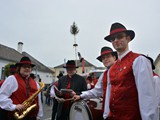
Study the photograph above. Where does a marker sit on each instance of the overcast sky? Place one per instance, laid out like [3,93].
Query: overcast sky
[44,27]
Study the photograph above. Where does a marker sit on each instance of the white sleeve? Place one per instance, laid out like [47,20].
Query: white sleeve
[9,86]
[157,88]
[40,112]
[52,92]
[96,91]
[146,93]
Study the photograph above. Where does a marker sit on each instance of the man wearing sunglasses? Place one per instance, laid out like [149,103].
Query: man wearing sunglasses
[131,95]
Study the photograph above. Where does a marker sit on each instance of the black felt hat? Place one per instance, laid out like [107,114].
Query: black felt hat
[117,28]
[106,50]
[25,60]
[70,64]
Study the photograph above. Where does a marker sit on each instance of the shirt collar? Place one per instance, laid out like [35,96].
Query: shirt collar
[124,54]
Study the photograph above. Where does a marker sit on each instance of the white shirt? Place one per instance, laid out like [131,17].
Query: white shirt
[9,86]
[157,87]
[144,82]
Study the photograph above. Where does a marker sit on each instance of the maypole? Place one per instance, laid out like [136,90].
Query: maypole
[74,31]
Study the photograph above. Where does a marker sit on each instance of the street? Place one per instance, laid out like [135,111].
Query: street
[47,111]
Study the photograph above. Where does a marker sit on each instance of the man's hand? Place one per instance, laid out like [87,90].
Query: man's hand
[60,100]
[76,97]
[20,108]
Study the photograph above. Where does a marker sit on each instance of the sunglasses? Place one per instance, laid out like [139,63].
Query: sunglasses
[117,36]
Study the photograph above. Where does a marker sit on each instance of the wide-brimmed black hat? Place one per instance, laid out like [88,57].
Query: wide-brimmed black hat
[106,50]
[25,60]
[70,64]
[117,28]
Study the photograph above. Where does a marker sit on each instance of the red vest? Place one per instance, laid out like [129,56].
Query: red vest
[20,95]
[124,96]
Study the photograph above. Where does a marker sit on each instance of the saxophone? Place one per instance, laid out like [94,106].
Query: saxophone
[27,103]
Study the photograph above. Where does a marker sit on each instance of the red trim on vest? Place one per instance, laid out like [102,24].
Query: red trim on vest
[124,96]
[20,95]
[104,88]
[67,96]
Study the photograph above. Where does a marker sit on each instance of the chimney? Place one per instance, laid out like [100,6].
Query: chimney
[19,47]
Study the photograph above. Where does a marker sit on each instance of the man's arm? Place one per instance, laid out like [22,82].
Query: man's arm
[146,94]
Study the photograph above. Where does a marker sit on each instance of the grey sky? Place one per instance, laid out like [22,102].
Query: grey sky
[44,26]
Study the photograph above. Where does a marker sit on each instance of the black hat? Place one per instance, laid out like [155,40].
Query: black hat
[60,75]
[32,76]
[12,68]
[117,28]
[25,60]
[107,50]
[70,64]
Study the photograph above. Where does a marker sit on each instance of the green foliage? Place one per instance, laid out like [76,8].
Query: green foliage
[6,69]
[74,29]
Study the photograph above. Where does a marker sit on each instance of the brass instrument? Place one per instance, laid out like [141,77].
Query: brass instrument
[27,103]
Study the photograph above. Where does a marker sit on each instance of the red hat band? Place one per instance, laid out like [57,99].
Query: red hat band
[117,31]
[25,62]
[106,52]
[70,66]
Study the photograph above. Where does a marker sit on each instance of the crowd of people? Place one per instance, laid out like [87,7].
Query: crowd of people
[129,86]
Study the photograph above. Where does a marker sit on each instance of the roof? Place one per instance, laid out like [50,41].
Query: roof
[38,64]
[87,64]
[11,54]
[157,59]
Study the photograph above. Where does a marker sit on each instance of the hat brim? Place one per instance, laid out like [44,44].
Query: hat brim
[70,67]
[131,33]
[114,54]
[19,64]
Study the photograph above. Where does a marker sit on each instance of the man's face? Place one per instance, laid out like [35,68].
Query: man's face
[108,60]
[71,71]
[25,70]
[120,41]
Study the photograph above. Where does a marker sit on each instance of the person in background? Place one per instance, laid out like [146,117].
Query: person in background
[131,93]
[108,58]
[71,81]
[156,80]
[90,83]
[52,93]
[20,87]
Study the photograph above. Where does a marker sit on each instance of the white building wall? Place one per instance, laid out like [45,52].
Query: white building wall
[47,78]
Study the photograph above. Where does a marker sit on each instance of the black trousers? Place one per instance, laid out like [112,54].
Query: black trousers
[54,109]
[26,118]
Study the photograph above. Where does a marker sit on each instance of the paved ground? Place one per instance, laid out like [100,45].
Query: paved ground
[47,112]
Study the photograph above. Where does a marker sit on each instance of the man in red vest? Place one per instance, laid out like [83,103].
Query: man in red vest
[19,87]
[108,58]
[131,93]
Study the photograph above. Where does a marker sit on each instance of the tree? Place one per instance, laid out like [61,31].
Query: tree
[74,31]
